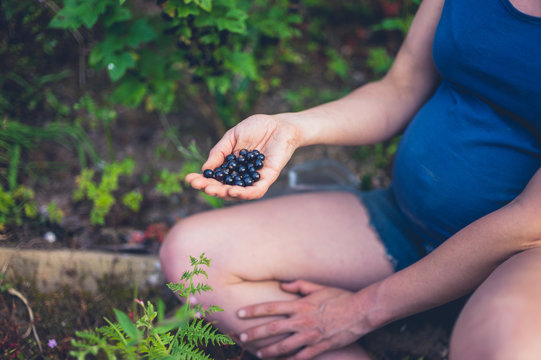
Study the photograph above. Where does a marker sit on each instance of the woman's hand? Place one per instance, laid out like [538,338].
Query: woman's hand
[273,135]
[324,318]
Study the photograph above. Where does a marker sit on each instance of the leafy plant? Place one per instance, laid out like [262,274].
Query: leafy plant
[54,213]
[101,194]
[379,60]
[15,205]
[204,52]
[150,336]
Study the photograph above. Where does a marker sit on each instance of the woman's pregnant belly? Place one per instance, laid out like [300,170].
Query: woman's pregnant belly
[459,160]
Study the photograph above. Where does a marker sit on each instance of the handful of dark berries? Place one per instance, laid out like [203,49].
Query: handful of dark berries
[238,170]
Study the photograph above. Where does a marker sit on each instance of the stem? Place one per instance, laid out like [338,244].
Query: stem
[109,140]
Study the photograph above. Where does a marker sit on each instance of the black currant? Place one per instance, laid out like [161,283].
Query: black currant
[228,180]
[239,183]
[232,165]
[258,164]
[261,157]
[208,173]
[250,156]
[230,157]
[219,175]
[248,181]
[243,152]
[241,159]
[255,175]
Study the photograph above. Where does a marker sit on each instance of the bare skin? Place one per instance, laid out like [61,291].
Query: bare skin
[269,242]
[343,286]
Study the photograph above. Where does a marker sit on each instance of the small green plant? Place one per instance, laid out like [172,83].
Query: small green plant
[54,213]
[16,205]
[150,336]
[101,194]
[379,60]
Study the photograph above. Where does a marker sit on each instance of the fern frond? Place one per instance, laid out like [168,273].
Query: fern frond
[186,351]
[201,332]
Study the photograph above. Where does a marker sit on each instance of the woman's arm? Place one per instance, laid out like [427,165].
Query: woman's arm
[370,114]
[379,110]
[327,318]
[463,261]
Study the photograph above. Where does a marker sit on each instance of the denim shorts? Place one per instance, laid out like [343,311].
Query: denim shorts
[403,244]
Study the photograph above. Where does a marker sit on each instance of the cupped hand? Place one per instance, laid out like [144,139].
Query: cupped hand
[272,135]
[324,318]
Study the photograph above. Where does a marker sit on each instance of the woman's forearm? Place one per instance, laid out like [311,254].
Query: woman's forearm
[379,110]
[460,264]
[370,114]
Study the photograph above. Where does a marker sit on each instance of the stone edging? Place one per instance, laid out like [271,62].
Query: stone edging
[52,269]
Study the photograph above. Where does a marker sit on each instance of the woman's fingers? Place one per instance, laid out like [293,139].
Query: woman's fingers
[289,345]
[267,309]
[301,287]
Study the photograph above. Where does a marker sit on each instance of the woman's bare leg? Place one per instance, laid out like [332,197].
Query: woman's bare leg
[502,319]
[321,237]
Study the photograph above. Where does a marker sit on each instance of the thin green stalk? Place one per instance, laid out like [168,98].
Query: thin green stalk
[15,157]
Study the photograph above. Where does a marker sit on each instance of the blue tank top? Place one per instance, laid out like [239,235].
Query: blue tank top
[475,144]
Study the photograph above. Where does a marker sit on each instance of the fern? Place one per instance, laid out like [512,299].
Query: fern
[179,337]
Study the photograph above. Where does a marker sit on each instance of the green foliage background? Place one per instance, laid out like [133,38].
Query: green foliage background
[217,57]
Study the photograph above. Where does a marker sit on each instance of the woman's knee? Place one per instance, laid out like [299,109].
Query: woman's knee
[189,237]
[502,319]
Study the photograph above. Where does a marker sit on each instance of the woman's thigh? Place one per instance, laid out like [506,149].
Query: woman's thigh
[502,319]
[322,237]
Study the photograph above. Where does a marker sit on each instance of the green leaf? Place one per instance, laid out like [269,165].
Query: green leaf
[213,201]
[127,326]
[130,91]
[241,62]
[234,21]
[205,4]
[118,67]
[76,13]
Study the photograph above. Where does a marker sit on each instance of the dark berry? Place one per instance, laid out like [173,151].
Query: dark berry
[237,178]
[228,180]
[248,181]
[255,175]
[258,164]
[219,175]
[242,169]
[250,156]
[243,152]
[239,183]
[232,165]
[241,159]
[261,157]
[251,169]
[256,152]
[226,171]
[230,157]
[246,175]
[224,165]
[208,173]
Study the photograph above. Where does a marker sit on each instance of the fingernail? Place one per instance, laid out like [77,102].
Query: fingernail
[242,313]
[243,337]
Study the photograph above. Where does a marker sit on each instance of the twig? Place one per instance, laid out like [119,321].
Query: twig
[32,327]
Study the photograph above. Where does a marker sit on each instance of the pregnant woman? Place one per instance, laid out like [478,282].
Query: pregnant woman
[305,276]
